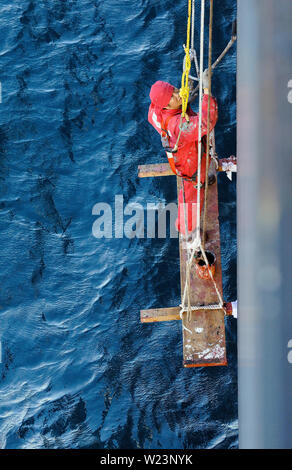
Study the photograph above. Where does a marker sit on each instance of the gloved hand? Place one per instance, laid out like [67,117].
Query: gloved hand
[191,84]
[205,78]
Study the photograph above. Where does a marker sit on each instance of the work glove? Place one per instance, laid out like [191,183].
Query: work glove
[191,84]
[205,78]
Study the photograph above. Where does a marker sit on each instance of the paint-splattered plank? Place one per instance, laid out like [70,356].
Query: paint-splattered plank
[202,291]
[160,314]
[156,169]
[163,169]
[205,345]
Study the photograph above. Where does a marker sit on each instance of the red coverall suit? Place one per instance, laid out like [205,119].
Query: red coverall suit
[186,158]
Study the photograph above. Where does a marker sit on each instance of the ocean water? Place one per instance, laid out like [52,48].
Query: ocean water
[78,370]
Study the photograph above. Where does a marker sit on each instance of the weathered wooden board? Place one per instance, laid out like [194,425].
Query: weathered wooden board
[160,314]
[163,169]
[205,346]
[156,169]
[202,291]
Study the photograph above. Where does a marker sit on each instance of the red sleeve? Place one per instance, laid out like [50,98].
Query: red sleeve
[153,119]
[213,113]
[191,132]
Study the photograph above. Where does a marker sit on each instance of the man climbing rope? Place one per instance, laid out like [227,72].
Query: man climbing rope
[165,116]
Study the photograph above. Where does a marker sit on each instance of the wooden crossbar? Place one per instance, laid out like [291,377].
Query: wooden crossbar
[156,169]
[160,314]
[163,169]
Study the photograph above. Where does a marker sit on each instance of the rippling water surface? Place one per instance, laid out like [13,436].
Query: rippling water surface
[78,369]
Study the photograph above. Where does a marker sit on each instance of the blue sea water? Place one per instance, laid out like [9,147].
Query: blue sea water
[78,369]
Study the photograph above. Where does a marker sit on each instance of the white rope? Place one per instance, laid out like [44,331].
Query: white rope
[202,307]
[193,53]
[196,63]
[198,235]
[200,117]
[211,275]
[212,148]
[193,78]
[197,243]
[190,257]
[200,104]
[182,311]
[193,23]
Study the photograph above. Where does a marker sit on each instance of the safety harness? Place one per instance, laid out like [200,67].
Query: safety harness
[165,140]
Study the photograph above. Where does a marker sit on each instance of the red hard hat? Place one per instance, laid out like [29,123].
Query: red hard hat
[160,93]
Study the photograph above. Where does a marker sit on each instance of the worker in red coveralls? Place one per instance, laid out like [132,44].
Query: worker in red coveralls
[164,115]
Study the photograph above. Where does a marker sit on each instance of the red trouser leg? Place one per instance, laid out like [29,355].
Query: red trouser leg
[191,207]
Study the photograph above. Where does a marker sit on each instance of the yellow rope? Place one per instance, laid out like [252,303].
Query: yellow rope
[184,91]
